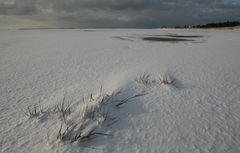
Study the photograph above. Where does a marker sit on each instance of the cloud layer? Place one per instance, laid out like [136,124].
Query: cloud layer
[116,13]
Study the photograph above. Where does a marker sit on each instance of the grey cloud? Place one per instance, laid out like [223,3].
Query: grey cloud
[18,7]
[123,13]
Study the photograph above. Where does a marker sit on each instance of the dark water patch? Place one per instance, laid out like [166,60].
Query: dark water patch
[89,30]
[185,36]
[178,36]
[166,39]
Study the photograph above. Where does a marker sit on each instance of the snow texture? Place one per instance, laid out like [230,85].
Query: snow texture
[197,112]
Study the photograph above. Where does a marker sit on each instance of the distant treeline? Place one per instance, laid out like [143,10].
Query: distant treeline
[214,25]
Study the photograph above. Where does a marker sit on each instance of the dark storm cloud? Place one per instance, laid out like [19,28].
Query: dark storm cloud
[20,7]
[123,13]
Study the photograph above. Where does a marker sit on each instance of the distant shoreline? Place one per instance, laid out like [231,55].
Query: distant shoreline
[92,29]
[219,28]
[216,25]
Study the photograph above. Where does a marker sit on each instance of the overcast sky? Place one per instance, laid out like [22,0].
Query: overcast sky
[115,13]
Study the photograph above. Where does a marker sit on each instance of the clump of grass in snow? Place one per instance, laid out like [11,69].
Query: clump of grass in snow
[166,80]
[82,124]
[146,80]
[143,79]
[79,132]
[34,112]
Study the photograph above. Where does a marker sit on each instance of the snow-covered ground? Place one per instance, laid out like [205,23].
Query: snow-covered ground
[198,113]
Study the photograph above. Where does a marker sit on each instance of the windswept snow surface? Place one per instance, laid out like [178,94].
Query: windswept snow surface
[199,113]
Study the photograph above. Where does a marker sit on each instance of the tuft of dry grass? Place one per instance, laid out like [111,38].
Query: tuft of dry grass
[34,111]
[143,79]
[78,132]
[166,80]
[146,80]
[82,124]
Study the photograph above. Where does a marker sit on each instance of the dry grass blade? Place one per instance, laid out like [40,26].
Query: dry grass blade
[127,99]
[91,98]
[99,133]
[59,132]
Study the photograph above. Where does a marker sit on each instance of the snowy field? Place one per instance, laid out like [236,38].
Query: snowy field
[197,111]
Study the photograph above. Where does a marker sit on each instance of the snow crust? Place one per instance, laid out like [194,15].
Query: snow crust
[198,113]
